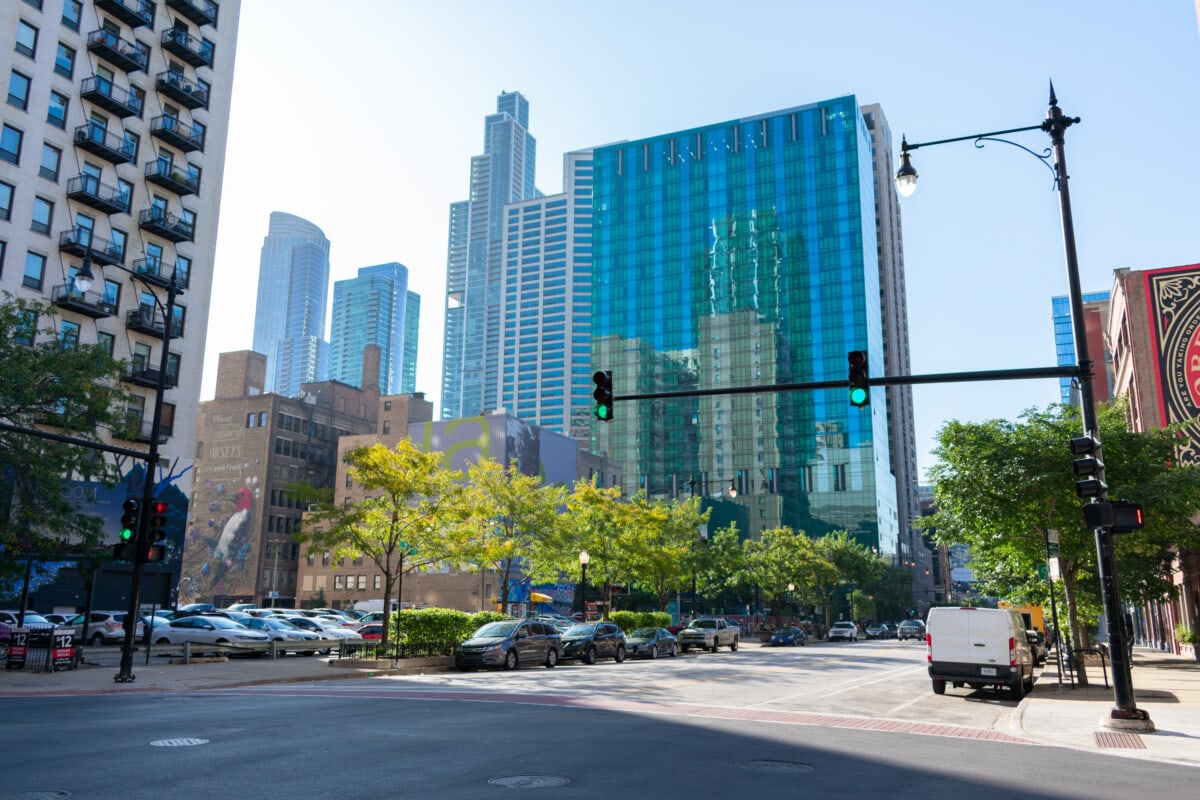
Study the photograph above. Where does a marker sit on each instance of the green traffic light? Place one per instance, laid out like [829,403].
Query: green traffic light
[601,411]
[858,396]
[126,534]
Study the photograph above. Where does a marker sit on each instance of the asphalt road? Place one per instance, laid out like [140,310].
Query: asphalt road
[699,726]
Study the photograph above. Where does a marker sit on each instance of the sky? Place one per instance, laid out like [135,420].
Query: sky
[362,116]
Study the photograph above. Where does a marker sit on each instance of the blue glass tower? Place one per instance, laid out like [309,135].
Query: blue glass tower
[289,317]
[370,309]
[744,254]
[1064,340]
[412,325]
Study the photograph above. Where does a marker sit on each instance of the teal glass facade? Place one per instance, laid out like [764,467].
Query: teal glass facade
[744,254]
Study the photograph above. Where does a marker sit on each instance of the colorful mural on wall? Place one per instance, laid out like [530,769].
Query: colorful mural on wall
[1174,299]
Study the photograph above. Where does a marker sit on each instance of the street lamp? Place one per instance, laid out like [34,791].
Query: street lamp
[584,558]
[1125,712]
[83,281]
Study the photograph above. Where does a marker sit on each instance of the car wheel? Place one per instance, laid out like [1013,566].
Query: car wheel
[619,656]
[589,655]
[510,659]
[551,658]
[163,640]
[98,640]
[1017,687]
[653,651]
[733,647]
[674,651]
[939,687]
[684,648]
[715,646]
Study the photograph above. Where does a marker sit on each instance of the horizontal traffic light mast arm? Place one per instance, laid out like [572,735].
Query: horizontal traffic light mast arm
[1069,371]
[88,443]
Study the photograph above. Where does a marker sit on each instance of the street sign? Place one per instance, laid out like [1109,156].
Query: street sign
[1043,571]
[1054,573]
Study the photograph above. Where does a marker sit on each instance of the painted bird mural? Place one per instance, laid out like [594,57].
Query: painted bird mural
[236,527]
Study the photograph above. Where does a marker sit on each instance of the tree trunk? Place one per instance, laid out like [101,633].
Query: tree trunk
[776,608]
[1078,636]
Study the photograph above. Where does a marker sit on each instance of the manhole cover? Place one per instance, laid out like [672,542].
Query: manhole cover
[47,795]
[177,742]
[528,781]
[767,765]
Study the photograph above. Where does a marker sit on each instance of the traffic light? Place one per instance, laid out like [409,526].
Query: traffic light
[860,384]
[122,551]
[1127,517]
[603,410]
[158,521]
[1089,470]
[126,551]
[129,520]
[155,552]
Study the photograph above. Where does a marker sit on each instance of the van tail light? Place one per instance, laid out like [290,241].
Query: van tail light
[1012,652]
[929,647]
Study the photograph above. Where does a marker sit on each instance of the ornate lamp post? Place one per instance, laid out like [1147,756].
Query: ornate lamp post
[584,558]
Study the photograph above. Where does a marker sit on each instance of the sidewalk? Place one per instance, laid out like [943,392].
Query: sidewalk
[1164,685]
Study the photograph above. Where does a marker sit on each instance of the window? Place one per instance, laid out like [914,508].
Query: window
[51,158]
[24,331]
[387,426]
[18,90]
[43,214]
[116,244]
[10,144]
[35,268]
[187,221]
[378,582]
[106,341]
[26,39]
[338,580]
[6,196]
[56,113]
[64,61]
[183,269]
[124,193]
[68,335]
[129,145]
[72,9]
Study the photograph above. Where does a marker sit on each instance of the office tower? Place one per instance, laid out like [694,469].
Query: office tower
[412,325]
[745,254]
[546,372]
[289,317]
[112,151]
[504,173]
[1095,320]
[370,309]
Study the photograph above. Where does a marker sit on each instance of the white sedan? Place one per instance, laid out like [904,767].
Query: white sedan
[207,630]
[844,631]
[280,630]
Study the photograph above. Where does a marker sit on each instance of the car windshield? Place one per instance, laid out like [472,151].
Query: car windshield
[786,631]
[644,633]
[843,624]
[34,619]
[496,630]
[703,623]
[580,630]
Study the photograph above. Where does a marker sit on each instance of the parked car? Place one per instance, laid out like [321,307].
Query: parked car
[1037,643]
[105,627]
[878,630]
[979,647]
[709,634]
[510,643]
[372,631]
[54,618]
[843,632]
[10,618]
[590,641]
[910,629]
[241,607]
[649,642]
[280,630]
[206,629]
[196,608]
[557,620]
[788,635]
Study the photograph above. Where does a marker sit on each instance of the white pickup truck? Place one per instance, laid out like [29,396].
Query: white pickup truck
[709,634]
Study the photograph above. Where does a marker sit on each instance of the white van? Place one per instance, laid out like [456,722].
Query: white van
[978,647]
[373,606]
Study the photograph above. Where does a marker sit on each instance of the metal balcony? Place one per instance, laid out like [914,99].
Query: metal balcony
[137,429]
[81,242]
[201,12]
[140,373]
[168,226]
[121,53]
[100,196]
[173,85]
[178,134]
[157,271]
[134,13]
[149,320]
[90,303]
[99,142]
[191,49]
[112,98]
[181,180]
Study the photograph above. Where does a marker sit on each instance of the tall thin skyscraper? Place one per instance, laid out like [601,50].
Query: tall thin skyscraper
[412,326]
[293,291]
[371,309]
[504,173]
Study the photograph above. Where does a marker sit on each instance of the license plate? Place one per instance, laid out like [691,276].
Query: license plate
[988,671]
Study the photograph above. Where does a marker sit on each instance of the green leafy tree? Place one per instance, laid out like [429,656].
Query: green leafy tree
[60,386]
[1001,486]
[401,522]
[780,558]
[598,523]
[854,565]
[661,539]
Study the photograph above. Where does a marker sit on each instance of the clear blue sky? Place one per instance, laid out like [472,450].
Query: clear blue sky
[362,117]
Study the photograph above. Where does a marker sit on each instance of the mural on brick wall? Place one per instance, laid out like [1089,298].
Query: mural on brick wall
[1174,299]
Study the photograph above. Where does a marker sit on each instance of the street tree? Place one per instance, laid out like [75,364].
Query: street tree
[403,520]
[854,565]
[1002,486]
[598,523]
[51,382]
[661,538]
[779,559]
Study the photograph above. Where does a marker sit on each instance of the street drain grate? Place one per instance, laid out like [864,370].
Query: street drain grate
[1115,740]
[767,765]
[528,781]
[177,742]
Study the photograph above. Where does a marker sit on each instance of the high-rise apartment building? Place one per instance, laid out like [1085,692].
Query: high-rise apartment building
[746,254]
[412,325]
[293,291]
[503,174]
[373,308]
[547,289]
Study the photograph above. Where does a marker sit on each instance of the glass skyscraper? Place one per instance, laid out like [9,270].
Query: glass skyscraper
[471,347]
[293,290]
[735,255]
[1064,345]
[371,309]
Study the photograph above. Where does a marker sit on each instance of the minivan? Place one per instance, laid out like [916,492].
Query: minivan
[978,647]
[511,643]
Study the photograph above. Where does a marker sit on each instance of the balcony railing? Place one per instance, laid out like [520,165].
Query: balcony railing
[159,272]
[138,429]
[193,50]
[182,180]
[171,83]
[112,148]
[177,134]
[90,191]
[149,319]
[140,373]
[90,303]
[110,97]
[134,13]
[168,226]
[126,55]
[201,12]
[82,242]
